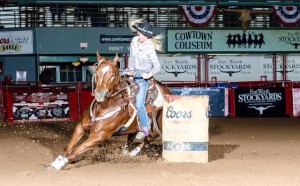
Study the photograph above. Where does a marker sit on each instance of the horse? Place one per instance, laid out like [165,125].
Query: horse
[112,112]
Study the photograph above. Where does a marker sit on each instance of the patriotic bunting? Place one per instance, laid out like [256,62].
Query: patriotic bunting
[198,15]
[288,15]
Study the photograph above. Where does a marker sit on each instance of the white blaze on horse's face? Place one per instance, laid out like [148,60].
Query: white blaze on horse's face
[104,70]
[103,79]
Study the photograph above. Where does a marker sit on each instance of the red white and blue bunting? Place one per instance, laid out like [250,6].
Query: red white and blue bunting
[198,15]
[288,15]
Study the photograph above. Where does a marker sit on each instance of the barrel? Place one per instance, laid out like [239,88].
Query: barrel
[185,128]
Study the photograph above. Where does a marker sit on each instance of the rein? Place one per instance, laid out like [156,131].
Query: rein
[93,82]
[109,95]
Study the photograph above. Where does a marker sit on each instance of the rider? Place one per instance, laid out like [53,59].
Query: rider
[143,64]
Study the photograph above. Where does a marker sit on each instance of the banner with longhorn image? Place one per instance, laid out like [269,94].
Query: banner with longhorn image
[260,102]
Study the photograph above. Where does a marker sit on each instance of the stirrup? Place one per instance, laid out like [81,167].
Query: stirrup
[142,134]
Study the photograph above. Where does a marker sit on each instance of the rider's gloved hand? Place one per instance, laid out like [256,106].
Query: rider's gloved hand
[147,75]
[131,73]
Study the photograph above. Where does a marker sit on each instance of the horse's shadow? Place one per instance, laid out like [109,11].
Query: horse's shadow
[110,151]
[152,153]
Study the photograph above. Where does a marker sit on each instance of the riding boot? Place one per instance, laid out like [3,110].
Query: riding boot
[144,132]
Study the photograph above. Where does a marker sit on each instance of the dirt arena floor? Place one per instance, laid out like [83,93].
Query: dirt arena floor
[242,151]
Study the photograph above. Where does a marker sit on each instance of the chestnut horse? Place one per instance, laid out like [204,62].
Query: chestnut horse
[109,114]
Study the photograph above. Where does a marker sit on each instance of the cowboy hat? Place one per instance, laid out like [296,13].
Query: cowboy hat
[144,28]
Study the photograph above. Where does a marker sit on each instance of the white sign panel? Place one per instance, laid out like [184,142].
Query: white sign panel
[296,103]
[209,40]
[16,42]
[292,67]
[238,68]
[268,69]
[183,68]
[253,67]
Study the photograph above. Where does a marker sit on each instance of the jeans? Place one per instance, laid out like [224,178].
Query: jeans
[140,102]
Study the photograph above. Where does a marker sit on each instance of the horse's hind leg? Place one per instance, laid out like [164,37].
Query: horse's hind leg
[130,139]
[137,149]
[129,144]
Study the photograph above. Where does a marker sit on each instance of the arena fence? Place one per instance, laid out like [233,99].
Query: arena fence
[36,102]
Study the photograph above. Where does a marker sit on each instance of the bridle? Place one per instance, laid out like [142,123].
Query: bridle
[93,77]
[111,93]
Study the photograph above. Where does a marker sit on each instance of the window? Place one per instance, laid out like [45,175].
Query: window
[70,73]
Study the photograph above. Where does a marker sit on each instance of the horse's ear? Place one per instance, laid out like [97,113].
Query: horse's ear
[116,59]
[98,56]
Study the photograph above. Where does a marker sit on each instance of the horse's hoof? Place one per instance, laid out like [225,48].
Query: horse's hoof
[48,168]
[59,162]
[125,152]
[135,152]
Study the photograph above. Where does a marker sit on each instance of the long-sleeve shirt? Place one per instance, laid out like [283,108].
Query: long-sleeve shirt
[143,57]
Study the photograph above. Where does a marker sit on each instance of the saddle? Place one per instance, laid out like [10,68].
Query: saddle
[152,94]
[154,102]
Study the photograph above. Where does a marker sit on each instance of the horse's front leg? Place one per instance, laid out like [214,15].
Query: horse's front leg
[77,135]
[83,125]
[62,160]
[93,140]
